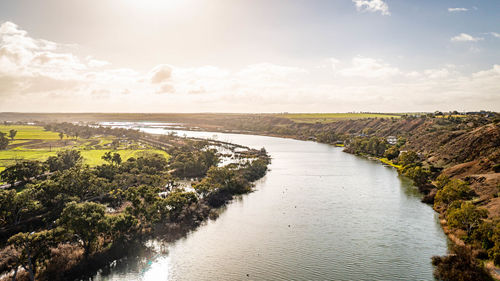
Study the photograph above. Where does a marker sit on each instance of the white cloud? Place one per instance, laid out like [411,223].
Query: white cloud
[464,37]
[161,73]
[97,63]
[372,6]
[270,71]
[369,68]
[494,34]
[452,10]
[334,63]
[34,72]
[437,73]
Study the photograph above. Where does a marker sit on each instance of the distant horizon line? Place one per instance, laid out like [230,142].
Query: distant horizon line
[284,112]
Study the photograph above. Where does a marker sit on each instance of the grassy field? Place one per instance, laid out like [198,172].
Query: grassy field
[34,143]
[29,132]
[93,157]
[332,117]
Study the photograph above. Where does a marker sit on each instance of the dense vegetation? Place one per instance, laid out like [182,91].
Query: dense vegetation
[65,218]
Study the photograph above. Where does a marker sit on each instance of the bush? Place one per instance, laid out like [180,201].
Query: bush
[467,217]
[496,168]
[452,191]
[459,266]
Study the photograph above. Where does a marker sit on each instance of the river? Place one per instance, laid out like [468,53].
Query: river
[319,214]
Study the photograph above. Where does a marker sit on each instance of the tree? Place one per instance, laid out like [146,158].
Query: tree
[391,153]
[146,204]
[452,191]
[461,266]
[418,174]
[408,158]
[75,184]
[117,159]
[23,171]
[34,249]
[177,200]
[22,205]
[4,141]
[121,225]
[86,221]
[107,156]
[64,160]
[441,181]
[112,158]
[467,217]
[220,184]
[12,134]
[61,135]
[255,170]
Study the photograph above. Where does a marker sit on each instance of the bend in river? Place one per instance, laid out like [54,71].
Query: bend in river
[319,214]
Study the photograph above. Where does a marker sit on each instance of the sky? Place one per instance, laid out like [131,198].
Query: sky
[249,55]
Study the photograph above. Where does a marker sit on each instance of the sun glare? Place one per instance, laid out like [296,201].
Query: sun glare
[157,5]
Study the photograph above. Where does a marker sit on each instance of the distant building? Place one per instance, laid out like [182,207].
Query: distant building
[392,140]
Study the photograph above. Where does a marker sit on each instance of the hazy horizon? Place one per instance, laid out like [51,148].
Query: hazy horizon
[192,56]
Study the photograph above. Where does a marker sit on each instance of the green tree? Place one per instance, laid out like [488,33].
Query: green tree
[34,249]
[121,225]
[75,184]
[419,175]
[441,181]
[112,158]
[220,184]
[177,201]
[254,170]
[117,159]
[86,221]
[391,153]
[12,134]
[408,158]
[61,135]
[484,234]
[459,266]
[146,204]
[64,160]
[16,206]
[4,141]
[452,191]
[467,217]
[23,171]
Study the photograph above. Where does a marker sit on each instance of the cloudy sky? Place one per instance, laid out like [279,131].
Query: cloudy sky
[249,55]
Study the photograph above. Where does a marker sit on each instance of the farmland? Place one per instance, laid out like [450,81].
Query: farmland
[35,143]
[332,117]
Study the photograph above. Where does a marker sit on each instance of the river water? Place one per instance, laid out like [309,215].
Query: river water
[319,214]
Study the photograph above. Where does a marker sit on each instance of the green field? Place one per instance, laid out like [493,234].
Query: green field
[93,157]
[332,117]
[25,132]
[34,143]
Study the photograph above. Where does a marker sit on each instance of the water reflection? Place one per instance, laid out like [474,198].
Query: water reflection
[319,214]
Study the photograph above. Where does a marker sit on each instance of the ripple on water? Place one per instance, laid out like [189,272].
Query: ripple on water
[350,219]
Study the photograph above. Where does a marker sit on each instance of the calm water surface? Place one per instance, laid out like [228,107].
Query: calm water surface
[319,214]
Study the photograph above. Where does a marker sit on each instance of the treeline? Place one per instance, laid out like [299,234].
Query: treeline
[75,131]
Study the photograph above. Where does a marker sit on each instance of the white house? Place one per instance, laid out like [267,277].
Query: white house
[392,140]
